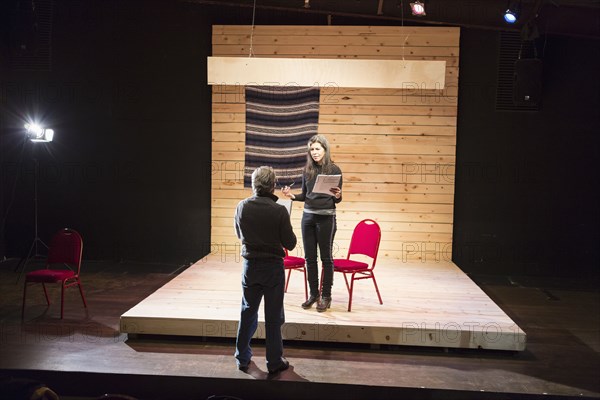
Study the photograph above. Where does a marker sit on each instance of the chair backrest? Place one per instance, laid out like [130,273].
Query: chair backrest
[365,239]
[66,247]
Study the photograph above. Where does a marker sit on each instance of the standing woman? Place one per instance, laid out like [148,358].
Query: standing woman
[318,220]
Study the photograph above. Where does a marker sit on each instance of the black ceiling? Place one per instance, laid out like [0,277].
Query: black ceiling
[554,17]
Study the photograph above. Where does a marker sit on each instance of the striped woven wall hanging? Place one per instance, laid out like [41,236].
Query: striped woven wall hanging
[279,122]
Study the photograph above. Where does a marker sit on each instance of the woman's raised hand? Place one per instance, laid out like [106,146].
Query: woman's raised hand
[287,192]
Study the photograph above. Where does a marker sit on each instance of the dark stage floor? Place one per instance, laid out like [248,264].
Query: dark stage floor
[85,356]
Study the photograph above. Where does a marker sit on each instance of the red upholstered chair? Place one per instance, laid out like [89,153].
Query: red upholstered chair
[65,249]
[292,263]
[365,241]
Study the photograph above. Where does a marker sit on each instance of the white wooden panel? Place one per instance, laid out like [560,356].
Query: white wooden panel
[254,71]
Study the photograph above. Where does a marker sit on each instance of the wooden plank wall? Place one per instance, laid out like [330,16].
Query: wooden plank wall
[396,147]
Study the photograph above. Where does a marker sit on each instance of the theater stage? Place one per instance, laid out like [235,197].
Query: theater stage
[424,304]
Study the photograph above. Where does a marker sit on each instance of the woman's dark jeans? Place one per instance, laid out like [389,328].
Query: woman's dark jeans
[319,230]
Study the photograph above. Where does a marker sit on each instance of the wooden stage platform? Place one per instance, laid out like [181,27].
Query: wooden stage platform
[424,304]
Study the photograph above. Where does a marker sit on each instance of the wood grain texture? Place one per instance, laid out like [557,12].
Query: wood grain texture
[396,147]
[430,304]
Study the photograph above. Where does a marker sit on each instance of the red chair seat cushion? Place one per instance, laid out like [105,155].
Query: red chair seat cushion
[49,275]
[342,264]
[291,261]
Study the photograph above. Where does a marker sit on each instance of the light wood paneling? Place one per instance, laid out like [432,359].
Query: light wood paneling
[433,305]
[396,147]
[324,30]
[382,52]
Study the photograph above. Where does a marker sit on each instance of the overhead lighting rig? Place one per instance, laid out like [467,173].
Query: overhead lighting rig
[417,8]
[513,12]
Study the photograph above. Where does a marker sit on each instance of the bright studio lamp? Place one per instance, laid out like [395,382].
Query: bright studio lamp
[36,133]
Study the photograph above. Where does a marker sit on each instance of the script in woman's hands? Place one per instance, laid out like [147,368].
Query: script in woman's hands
[324,183]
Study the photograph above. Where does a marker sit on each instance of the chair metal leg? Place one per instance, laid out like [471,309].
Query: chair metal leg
[81,292]
[62,300]
[350,291]
[346,280]
[376,288]
[46,293]
[24,297]
[287,281]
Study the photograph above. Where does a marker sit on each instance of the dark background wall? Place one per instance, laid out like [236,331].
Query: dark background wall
[130,165]
[526,201]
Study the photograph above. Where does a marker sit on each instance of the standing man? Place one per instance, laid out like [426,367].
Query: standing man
[265,229]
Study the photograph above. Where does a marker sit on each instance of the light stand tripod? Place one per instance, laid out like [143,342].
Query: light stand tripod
[36,239]
[36,134]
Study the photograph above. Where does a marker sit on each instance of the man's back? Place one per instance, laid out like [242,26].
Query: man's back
[264,227]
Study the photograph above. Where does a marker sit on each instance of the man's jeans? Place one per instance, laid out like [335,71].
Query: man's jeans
[261,277]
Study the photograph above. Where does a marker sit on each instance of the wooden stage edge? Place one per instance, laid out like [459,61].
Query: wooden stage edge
[424,304]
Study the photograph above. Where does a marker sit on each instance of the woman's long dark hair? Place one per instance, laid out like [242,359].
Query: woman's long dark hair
[312,169]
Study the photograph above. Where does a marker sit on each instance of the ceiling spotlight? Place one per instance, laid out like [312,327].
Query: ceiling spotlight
[36,133]
[511,15]
[417,8]
[306,3]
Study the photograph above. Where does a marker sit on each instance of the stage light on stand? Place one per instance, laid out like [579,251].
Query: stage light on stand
[417,8]
[36,133]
